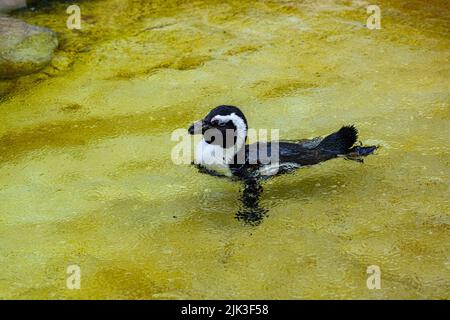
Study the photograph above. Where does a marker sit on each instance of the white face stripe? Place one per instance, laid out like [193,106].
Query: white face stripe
[237,121]
[241,132]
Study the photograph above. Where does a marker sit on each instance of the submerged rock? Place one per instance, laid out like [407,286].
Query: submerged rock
[24,48]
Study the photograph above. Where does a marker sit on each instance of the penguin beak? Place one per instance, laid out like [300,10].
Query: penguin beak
[198,127]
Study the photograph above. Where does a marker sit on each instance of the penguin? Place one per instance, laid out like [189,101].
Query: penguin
[223,152]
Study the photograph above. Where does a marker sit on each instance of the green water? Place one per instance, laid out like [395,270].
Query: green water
[86,176]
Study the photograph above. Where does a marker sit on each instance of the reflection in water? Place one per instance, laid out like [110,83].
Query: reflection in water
[251,211]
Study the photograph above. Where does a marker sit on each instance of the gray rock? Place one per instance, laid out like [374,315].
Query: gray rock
[10,5]
[24,48]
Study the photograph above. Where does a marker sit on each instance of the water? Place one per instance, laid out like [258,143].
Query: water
[86,176]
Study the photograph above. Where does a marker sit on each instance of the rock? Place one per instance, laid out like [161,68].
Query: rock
[10,5]
[24,48]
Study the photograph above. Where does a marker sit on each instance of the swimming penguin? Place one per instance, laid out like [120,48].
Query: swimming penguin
[223,151]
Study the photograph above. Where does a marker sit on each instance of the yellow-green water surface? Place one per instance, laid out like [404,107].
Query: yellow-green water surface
[86,176]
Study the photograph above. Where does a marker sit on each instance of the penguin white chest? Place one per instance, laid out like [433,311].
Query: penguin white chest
[213,157]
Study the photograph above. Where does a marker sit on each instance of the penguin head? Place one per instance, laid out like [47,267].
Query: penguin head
[224,126]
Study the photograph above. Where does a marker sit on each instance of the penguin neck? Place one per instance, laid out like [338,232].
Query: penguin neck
[215,157]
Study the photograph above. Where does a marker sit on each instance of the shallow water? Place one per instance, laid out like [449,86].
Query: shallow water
[86,176]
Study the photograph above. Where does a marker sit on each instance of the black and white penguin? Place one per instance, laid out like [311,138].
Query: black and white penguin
[223,151]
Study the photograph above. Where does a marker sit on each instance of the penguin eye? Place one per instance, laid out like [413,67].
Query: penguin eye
[218,123]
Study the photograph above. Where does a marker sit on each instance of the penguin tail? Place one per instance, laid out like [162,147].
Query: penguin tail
[340,142]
